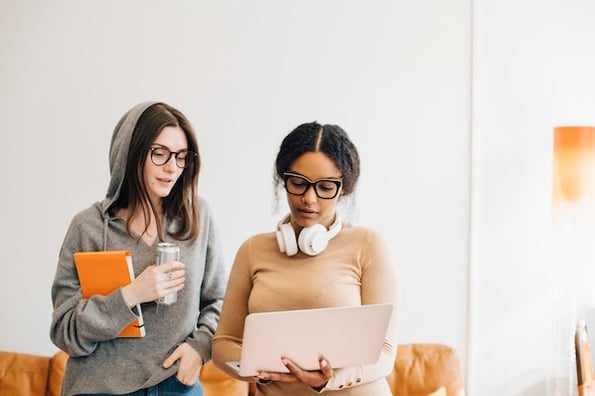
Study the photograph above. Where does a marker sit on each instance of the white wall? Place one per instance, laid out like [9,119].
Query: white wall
[394,74]
[534,69]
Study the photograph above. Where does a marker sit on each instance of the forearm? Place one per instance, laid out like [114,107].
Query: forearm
[78,325]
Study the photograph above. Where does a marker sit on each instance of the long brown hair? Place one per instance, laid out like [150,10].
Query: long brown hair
[181,204]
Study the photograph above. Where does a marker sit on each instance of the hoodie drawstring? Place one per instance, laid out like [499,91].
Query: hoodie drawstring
[105,225]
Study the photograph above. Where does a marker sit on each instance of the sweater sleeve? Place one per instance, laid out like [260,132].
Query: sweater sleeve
[379,284]
[79,324]
[227,343]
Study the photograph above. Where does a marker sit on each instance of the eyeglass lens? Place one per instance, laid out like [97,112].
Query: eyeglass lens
[324,188]
[160,156]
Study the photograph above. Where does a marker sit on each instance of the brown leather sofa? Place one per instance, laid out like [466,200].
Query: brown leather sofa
[420,370]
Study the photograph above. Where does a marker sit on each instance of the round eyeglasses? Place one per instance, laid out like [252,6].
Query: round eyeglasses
[161,155]
[296,184]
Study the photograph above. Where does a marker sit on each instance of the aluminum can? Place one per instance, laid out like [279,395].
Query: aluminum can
[167,251]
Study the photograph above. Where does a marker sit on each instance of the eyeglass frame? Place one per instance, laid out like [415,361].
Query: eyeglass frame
[187,161]
[312,184]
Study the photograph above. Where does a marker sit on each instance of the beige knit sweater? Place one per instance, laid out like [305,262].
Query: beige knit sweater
[356,268]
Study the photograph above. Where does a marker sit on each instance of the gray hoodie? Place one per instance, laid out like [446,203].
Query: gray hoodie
[87,329]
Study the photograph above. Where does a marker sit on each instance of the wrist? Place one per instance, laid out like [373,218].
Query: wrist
[319,388]
[129,296]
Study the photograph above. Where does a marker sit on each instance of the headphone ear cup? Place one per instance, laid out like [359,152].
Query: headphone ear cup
[286,239]
[313,239]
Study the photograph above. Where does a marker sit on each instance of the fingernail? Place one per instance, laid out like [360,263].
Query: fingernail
[285,362]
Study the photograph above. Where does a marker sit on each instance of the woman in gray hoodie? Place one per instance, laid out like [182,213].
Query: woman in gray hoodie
[152,197]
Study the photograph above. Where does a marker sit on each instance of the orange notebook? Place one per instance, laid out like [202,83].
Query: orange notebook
[105,271]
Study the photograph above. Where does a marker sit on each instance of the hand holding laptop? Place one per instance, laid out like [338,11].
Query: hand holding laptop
[314,378]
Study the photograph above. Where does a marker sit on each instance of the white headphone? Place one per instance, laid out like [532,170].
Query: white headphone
[311,241]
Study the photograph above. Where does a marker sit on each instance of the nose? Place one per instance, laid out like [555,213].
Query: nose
[309,196]
[170,165]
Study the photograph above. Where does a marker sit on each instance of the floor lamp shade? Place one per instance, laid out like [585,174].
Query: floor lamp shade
[574,162]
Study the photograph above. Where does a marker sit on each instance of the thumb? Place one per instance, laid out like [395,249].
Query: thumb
[171,359]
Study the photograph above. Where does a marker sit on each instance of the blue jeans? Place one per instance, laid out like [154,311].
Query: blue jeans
[169,387]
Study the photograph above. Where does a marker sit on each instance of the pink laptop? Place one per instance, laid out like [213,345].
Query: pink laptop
[345,336]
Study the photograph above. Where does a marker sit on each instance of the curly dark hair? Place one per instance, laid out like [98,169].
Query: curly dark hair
[331,140]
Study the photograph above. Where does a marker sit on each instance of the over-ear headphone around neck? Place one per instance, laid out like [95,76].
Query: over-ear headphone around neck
[311,240]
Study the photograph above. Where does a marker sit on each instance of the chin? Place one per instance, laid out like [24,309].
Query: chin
[161,194]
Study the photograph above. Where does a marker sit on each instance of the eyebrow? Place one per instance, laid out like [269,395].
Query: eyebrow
[165,147]
[313,181]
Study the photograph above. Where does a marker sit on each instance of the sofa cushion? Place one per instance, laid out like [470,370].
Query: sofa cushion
[23,374]
[215,382]
[56,372]
[421,369]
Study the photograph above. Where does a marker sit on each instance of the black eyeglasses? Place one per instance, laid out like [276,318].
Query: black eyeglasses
[296,184]
[161,155]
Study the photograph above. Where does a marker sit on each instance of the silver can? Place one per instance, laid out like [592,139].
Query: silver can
[167,251]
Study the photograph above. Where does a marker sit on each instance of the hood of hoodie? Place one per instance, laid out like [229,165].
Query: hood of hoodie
[118,152]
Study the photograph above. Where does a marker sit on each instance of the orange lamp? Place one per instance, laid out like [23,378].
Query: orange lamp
[574,162]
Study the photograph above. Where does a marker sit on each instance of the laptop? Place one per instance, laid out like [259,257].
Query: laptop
[344,336]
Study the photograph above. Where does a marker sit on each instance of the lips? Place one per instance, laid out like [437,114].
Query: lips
[164,181]
[308,213]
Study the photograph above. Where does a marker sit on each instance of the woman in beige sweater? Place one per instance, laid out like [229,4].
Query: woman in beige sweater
[312,260]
